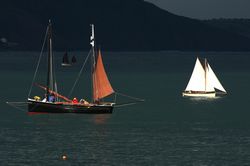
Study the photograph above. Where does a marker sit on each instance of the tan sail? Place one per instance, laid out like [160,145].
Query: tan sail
[101,84]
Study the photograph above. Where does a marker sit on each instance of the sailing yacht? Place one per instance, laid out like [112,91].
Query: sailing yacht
[57,103]
[203,82]
[65,61]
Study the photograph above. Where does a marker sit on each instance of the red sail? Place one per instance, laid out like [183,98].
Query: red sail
[101,84]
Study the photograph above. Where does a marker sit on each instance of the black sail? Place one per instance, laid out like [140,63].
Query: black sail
[73,60]
[65,58]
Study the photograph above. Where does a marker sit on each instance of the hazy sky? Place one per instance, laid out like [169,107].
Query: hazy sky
[204,9]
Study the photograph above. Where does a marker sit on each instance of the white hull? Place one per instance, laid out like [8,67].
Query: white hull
[66,64]
[207,95]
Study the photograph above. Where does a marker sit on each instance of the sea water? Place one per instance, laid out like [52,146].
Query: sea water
[166,129]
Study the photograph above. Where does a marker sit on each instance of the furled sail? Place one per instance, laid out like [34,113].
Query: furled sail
[213,80]
[197,80]
[101,84]
[50,73]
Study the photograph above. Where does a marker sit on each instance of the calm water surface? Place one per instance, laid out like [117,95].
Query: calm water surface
[165,130]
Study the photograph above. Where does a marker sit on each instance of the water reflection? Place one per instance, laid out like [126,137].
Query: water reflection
[205,98]
[101,118]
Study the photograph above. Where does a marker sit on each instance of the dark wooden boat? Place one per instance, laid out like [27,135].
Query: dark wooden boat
[67,107]
[57,103]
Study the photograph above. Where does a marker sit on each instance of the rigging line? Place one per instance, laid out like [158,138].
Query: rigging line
[12,104]
[79,74]
[38,64]
[131,97]
[124,104]
[95,90]
[115,97]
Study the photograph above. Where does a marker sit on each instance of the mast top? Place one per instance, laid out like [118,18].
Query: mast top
[92,37]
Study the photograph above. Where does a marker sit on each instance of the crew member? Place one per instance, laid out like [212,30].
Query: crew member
[75,101]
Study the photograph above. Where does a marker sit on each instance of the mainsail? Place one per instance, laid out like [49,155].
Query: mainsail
[197,80]
[101,84]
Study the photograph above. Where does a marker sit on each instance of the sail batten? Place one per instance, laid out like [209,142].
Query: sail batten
[101,84]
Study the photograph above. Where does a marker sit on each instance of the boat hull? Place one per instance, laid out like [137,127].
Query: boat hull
[65,64]
[45,107]
[199,94]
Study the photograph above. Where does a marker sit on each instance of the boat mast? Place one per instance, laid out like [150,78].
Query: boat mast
[49,72]
[92,43]
[205,68]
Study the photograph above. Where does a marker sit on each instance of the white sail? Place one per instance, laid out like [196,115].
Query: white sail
[197,80]
[213,80]
[209,84]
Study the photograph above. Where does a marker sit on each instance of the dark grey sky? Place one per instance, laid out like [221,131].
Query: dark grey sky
[204,9]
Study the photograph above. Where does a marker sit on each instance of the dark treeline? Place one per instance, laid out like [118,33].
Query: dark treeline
[121,25]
